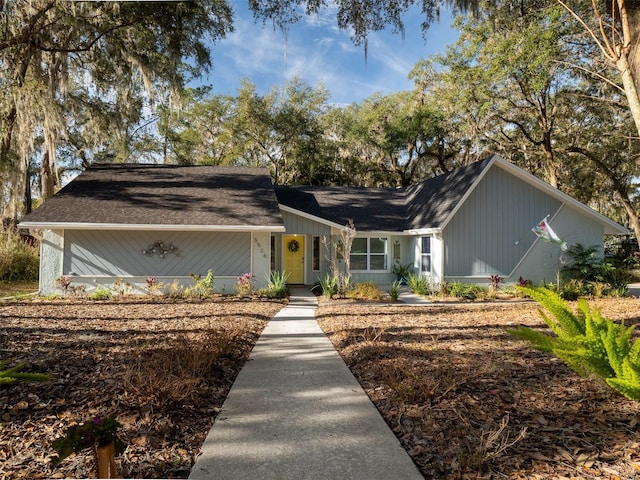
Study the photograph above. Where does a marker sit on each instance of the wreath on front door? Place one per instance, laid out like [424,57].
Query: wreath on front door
[293,246]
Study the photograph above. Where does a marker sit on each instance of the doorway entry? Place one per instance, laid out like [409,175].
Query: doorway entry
[293,257]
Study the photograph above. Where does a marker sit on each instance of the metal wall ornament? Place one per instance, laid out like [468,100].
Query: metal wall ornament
[161,249]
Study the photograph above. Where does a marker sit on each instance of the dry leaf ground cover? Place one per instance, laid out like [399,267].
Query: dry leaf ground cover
[467,400]
[162,367]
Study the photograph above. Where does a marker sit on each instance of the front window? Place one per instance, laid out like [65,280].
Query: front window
[272,258]
[369,253]
[426,255]
[316,254]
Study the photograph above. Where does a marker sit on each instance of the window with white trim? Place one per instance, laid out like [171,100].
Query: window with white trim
[425,257]
[369,254]
[315,254]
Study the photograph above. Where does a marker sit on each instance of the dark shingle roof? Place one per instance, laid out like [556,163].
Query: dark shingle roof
[370,209]
[127,194]
[431,202]
[424,205]
[164,195]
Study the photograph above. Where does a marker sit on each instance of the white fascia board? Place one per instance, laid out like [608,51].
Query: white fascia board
[378,233]
[611,227]
[424,231]
[313,218]
[176,228]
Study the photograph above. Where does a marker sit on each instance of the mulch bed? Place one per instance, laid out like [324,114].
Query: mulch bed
[469,401]
[162,367]
[457,390]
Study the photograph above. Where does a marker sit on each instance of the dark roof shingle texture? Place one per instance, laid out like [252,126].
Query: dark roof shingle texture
[425,205]
[165,195]
[238,196]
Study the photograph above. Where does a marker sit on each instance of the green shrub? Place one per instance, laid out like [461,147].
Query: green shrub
[585,263]
[418,283]
[202,287]
[394,290]
[402,271]
[276,285]
[244,285]
[327,285]
[19,261]
[177,291]
[587,342]
[574,289]
[468,291]
[101,293]
[365,291]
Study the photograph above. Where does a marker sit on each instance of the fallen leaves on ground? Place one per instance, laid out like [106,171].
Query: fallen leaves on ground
[469,401]
[118,357]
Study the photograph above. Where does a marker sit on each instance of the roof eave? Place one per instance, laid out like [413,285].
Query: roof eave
[424,231]
[150,227]
[314,218]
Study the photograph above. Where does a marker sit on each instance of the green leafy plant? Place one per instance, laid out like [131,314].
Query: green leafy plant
[394,290]
[203,286]
[587,342]
[418,283]
[585,263]
[101,293]
[468,291]
[276,285]
[176,291]
[15,374]
[19,259]
[97,432]
[327,285]
[402,271]
[244,285]
[587,269]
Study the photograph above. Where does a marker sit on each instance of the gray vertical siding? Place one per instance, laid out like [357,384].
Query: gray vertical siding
[295,224]
[492,230]
[119,253]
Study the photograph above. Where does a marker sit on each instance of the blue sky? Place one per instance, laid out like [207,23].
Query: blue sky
[318,52]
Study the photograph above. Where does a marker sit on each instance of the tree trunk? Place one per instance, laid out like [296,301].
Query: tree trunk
[46,176]
[630,89]
[28,198]
[619,187]
[634,219]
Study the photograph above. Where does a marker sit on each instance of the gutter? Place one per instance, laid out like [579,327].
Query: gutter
[34,226]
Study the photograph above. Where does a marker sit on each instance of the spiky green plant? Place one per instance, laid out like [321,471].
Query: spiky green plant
[394,290]
[277,284]
[418,283]
[586,341]
[14,374]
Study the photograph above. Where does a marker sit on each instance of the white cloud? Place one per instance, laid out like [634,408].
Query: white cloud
[318,52]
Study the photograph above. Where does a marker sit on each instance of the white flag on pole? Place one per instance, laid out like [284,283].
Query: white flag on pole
[543,230]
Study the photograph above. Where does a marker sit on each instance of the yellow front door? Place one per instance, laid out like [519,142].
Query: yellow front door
[293,257]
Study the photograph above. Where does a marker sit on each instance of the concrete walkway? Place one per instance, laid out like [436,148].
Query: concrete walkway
[296,412]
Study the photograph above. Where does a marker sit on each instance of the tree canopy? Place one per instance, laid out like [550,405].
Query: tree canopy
[533,80]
